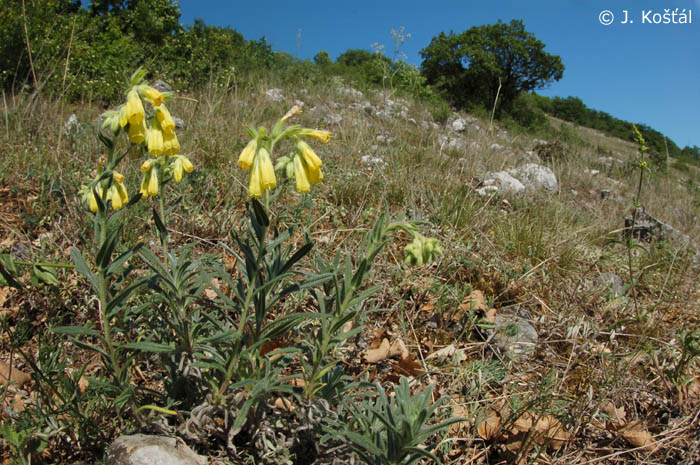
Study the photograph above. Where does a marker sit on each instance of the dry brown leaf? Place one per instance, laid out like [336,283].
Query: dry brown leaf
[488,428]
[4,294]
[524,422]
[347,327]
[637,435]
[551,432]
[17,377]
[380,353]
[19,403]
[617,415]
[491,315]
[475,301]
[83,384]
[284,404]
[398,348]
[408,366]
[460,411]
[427,308]
[448,351]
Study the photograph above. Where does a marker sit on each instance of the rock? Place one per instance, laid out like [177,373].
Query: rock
[274,94]
[610,282]
[142,449]
[162,86]
[350,92]
[514,335]
[71,126]
[647,228]
[369,160]
[496,147]
[530,157]
[536,177]
[610,161]
[332,118]
[459,125]
[452,143]
[592,172]
[385,137]
[502,182]
[179,124]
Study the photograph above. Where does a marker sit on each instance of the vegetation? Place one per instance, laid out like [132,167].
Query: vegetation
[266,292]
[474,67]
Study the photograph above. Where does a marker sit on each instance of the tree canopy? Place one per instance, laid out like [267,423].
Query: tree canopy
[468,67]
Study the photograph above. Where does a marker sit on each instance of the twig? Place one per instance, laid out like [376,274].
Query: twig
[29,50]
[493,111]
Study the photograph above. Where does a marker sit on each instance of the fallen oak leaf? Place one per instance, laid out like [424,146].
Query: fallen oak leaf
[380,353]
[398,348]
[638,436]
[408,366]
[489,428]
[14,375]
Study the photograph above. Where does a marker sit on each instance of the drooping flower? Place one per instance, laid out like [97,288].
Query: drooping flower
[312,161]
[117,192]
[301,175]
[134,112]
[165,119]
[137,132]
[149,183]
[294,111]
[153,95]
[181,163]
[262,174]
[171,146]
[155,139]
[323,136]
[90,199]
[245,160]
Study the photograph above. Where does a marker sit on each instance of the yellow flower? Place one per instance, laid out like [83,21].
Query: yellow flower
[165,119]
[268,179]
[149,183]
[301,175]
[313,163]
[295,110]
[153,95]
[323,136]
[171,146]
[262,175]
[134,108]
[137,132]
[90,198]
[245,160]
[155,140]
[182,163]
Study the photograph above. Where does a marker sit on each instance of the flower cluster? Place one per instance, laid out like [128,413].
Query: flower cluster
[148,123]
[422,250]
[303,164]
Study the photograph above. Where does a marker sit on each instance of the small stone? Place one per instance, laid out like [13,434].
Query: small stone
[514,335]
[179,123]
[142,449]
[459,125]
[71,125]
[496,147]
[502,181]
[161,86]
[536,177]
[274,94]
[332,118]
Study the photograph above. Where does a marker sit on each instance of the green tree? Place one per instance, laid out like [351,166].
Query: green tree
[469,67]
[322,58]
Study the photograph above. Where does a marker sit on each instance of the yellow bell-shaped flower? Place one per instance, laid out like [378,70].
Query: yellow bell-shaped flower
[154,95]
[301,176]
[155,140]
[171,146]
[323,136]
[165,120]
[137,132]
[312,161]
[149,183]
[181,163]
[247,156]
[134,111]
[268,179]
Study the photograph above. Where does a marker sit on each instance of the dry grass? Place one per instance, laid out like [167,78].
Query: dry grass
[534,256]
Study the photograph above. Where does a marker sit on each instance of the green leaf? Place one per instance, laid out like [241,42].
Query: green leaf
[160,226]
[83,268]
[45,275]
[76,331]
[260,213]
[104,255]
[8,271]
[148,346]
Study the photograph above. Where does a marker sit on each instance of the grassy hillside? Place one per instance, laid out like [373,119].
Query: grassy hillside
[612,378]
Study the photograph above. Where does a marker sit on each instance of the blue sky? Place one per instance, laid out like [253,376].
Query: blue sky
[645,73]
